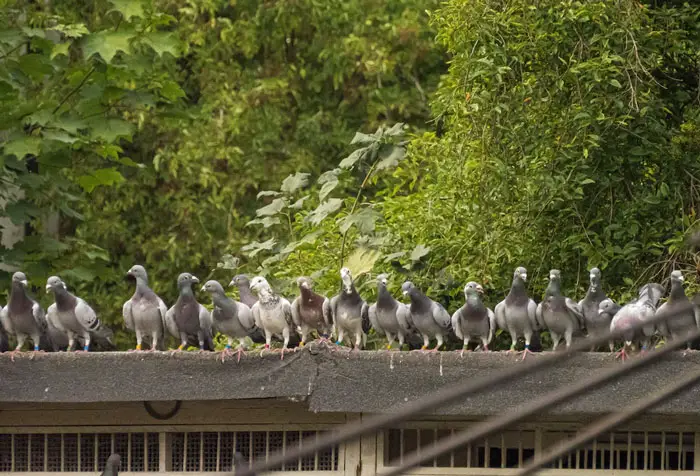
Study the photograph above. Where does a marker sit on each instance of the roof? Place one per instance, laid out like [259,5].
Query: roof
[328,381]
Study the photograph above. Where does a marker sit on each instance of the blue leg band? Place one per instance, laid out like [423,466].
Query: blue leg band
[85,348]
[227,347]
[36,347]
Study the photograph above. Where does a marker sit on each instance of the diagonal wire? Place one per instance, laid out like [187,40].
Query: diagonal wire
[492,425]
[354,430]
[603,425]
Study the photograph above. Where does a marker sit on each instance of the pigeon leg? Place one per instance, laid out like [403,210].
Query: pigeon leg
[390,340]
[611,345]
[36,350]
[139,342]
[555,340]
[18,349]
[513,340]
[465,347]
[484,344]
[86,346]
[402,339]
[226,352]
[568,336]
[341,336]
[285,334]
[526,351]
[623,354]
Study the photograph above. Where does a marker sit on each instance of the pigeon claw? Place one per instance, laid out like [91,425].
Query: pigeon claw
[224,353]
[283,351]
[13,353]
[622,355]
[525,353]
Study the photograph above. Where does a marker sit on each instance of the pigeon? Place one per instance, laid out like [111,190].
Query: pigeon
[112,466]
[560,314]
[595,322]
[23,317]
[4,341]
[517,313]
[232,318]
[681,317]
[474,319]
[389,316]
[308,311]
[188,317]
[430,318]
[248,298]
[145,312]
[638,311]
[607,308]
[272,313]
[73,317]
[349,312]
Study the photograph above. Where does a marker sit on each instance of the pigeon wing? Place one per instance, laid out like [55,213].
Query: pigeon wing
[128,315]
[256,315]
[532,315]
[492,324]
[441,316]
[456,317]
[296,311]
[373,318]
[245,317]
[403,316]
[576,311]
[364,313]
[286,309]
[170,324]
[500,312]
[206,324]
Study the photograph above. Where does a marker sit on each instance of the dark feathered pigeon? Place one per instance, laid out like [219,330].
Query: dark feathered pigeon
[389,316]
[249,299]
[430,317]
[307,311]
[73,317]
[680,316]
[638,311]
[560,314]
[272,313]
[349,312]
[188,317]
[596,323]
[517,312]
[23,317]
[145,312]
[474,319]
[232,318]
[112,466]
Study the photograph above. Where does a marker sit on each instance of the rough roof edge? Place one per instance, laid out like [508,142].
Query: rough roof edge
[329,381]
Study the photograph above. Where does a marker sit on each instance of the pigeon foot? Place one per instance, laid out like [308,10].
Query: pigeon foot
[284,351]
[622,355]
[34,352]
[15,352]
[225,353]
[525,353]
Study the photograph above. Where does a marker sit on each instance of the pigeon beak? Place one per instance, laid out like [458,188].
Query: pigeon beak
[384,282]
[551,276]
[681,279]
[232,283]
[523,276]
[203,288]
[48,288]
[24,283]
[480,290]
[591,277]
[405,293]
[195,279]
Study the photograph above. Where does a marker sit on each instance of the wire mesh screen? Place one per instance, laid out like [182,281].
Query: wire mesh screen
[507,450]
[213,451]
[630,450]
[77,452]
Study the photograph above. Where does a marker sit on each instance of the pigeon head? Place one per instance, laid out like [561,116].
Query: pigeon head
[186,280]
[383,280]
[54,284]
[260,285]
[213,286]
[607,306]
[239,280]
[346,277]
[408,288]
[304,282]
[554,275]
[520,273]
[114,461]
[594,276]
[472,289]
[138,272]
[20,278]
[677,277]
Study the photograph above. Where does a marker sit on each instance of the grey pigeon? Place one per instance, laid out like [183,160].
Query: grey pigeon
[349,312]
[517,313]
[389,316]
[596,323]
[474,319]
[73,317]
[636,312]
[272,313]
[232,318]
[681,319]
[145,312]
[187,317]
[607,308]
[4,341]
[430,318]
[23,317]
[249,299]
[308,311]
[112,466]
[560,314]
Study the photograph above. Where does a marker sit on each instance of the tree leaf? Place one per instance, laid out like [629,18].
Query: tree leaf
[59,136]
[323,210]
[266,222]
[363,220]
[308,239]
[391,155]
[26,145]
[128,8]
[327,188]
[162,43]
[393,256]
[395,130]
[273,208]
[298,205]
[109,130]
[361,139]
[353,158]
[21,211]
[268,193]
[361,261]
[295,182]
[256,247]
[228,261]
[328,176]
[107,44]
[418,252]
[108,176]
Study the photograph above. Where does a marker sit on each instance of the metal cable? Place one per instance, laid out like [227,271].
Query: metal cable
[492,425]
[603,425]
[354,430]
